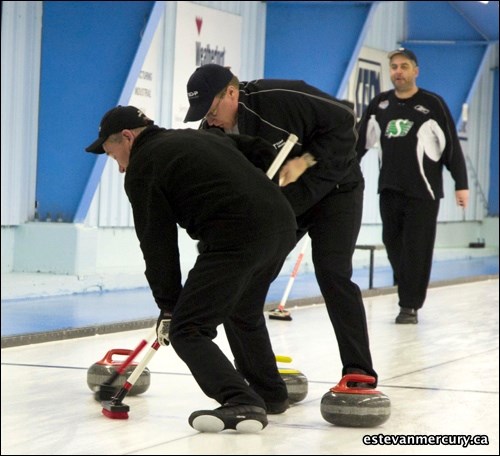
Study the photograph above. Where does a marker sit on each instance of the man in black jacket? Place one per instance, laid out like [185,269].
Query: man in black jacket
[414,132]
[203,183]
[322,180]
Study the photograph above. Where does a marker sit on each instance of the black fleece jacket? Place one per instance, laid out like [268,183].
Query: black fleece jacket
[326,128]
[205,184]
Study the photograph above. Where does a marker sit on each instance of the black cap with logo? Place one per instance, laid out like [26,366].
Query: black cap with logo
[203,86]
[116,120]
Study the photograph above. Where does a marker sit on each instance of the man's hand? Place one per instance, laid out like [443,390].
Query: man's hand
[462,197]
[294,168]
[163,328]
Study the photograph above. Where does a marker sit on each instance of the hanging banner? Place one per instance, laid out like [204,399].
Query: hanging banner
[202,35]
[146,94]
[369,77]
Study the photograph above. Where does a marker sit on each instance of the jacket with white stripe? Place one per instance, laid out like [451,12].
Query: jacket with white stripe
[415,138]
[326,128]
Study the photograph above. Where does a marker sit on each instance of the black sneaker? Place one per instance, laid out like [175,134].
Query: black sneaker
[275,408]
[241,418]
[407,316]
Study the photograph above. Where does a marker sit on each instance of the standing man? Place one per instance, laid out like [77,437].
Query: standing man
[322,180]
[201,181]
[416,137]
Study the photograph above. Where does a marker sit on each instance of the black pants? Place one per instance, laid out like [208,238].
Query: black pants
[409,233]
[333,225]
[229,286]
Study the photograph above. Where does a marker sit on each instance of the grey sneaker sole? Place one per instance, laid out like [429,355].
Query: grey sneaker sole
[210,423]
[242,418]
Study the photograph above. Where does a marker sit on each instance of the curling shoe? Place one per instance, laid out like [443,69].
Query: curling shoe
[364,385]
[407,316]
[275,408]
[242,418]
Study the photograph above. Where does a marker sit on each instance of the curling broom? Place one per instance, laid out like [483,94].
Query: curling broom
[280,313]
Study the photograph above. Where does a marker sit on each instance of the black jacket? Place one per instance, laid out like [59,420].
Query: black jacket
[415,137]
[203,183]
[325,126]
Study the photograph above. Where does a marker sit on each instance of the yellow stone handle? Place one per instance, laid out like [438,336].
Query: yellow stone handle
[283,359]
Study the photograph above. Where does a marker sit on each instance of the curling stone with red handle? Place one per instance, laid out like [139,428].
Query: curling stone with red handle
[355,406]
[102,370]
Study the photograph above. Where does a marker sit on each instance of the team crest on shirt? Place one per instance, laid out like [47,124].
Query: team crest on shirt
[398,128]
[383,104]
[422,109]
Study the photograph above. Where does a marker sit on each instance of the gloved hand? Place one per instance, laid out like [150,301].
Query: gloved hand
[163,327]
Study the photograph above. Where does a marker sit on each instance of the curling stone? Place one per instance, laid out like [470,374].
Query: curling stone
[355,406]
[101,371]
[296,384]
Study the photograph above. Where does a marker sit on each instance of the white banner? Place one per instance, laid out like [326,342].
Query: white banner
[146,94]
[369,77]
[202,35]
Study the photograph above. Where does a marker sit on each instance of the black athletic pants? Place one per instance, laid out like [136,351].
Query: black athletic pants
[333,225]
[229,286]
[409,233]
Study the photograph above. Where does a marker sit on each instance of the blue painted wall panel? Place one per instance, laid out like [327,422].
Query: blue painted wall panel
[493,193]
[87,50]
[426,19]
[313,42]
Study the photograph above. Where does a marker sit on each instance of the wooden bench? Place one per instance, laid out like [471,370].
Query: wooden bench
[371,248]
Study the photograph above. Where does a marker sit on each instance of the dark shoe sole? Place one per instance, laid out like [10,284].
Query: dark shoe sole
[406,320]
[276,408]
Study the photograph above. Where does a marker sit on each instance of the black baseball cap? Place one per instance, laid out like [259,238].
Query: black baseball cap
[406,52]
[203,86]
[116,120]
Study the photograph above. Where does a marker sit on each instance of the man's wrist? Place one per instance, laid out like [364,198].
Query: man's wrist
[309,159]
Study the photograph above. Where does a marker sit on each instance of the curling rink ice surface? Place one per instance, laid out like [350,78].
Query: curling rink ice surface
[440,375]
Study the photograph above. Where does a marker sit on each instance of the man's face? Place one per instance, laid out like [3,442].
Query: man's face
[118,146]
[224,108]
[403,72]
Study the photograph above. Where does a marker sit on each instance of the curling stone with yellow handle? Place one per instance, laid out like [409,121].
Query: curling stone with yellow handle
[295,380]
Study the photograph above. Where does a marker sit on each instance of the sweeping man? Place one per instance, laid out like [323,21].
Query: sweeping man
[322,180]
[202,182]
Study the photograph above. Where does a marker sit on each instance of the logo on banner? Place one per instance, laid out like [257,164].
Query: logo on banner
[206,53]
[367,84]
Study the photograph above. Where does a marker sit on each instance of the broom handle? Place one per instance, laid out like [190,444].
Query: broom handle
[294,273]
[283,153]
[127,386]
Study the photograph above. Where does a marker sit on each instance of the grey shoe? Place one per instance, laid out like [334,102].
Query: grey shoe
[241,418]
[407,316]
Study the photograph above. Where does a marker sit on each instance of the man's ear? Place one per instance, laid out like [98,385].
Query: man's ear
[232,91]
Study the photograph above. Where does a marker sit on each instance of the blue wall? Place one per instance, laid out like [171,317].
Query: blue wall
[493,193]
[87,51]
[313,42]
[452,53]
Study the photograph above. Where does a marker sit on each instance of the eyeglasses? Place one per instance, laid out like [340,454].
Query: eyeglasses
[213,112]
